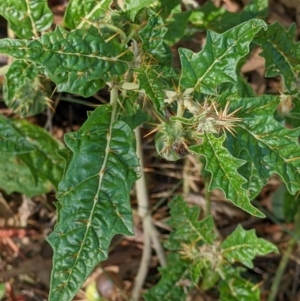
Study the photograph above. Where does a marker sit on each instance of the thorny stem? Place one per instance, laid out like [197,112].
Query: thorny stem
[179,113]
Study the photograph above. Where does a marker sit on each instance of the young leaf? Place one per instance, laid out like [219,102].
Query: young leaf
[93,199]
[34,15]
[79,11]
[79,61]
[236,288]
[152,82]
[152,36]
[22,90]
[169,287]
[189,229]
[224,175]
[271,147]
[243,246]
[217,62]
[281,53]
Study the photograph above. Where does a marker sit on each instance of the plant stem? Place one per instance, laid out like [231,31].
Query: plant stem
[114,100]
[150,232]
[280,270]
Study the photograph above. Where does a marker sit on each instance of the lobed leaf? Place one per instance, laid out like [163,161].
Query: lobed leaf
[236,288]
[101,167]
[152,83]
[188,228]
[22,90]
[79,11]
[271,147]
[169,287]
[224,175]
[79,61]
[152,36]
[243,246]
[34,16]
[217,61]
[281,53]
[254,183]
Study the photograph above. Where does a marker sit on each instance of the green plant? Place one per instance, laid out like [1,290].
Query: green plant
[216,117]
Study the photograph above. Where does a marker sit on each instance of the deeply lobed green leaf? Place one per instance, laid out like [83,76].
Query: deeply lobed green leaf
[152,36]
[79,61]
[281,53]
[217,61]
[271,147]
[224,175]
[169,287]
[236,288]
[188,229]
[243,246]
[101,167]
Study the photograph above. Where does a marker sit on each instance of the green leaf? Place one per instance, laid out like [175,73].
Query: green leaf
[11,140]
[176,25]
[79,11]
[236,288]
[43,161]
[169,287]
[22,90]
[254,183]
[219,19]
[167,7]
[217,62]
[189,229]
[271,147]
[243,246]
[16,176]
[281,53]
[224,175]
[93,199]
[152,36]
[153,83]
[27,17]
[79,61]
[133,6]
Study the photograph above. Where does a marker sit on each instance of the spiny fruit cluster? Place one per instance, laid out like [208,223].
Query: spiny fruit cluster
[174,137]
